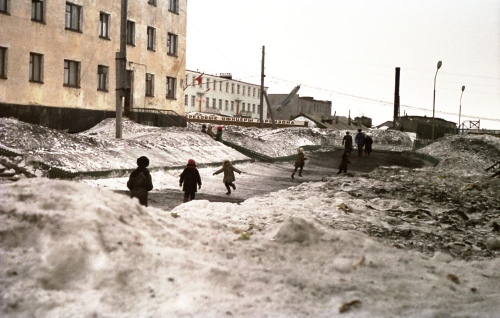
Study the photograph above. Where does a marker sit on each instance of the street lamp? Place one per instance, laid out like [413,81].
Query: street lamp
[434,99]
[460,109]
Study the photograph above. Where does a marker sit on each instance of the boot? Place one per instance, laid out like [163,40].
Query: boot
[293,174]
[228,192]
[185,200]
[300,174]
[233,185]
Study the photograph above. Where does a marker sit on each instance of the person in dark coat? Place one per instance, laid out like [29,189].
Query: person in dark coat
[190,177]
[345,161]
[347,141]
[140,182]
[360,141]
[204,128]
[368,144]
[299,162]
[218,136]
[229,177]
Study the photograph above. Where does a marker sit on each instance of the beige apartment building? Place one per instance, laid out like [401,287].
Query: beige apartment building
[222,95]
[57,59]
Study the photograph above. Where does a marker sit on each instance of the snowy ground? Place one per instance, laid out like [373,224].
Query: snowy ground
[320,249]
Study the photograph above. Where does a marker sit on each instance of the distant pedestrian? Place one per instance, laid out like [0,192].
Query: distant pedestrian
[204,128]
[229,177]
[189,179]
[347,141]
[210,132]
[299,162]
[218,136]
[360,141]
[344,162]
[368,144]
[139,182]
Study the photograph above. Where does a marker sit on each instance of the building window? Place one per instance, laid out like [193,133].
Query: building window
[226,105]
[232,106]
[150,84]
[73,17]
[208,83]
[102,78]
[130,32]
[152,2]
[207,103]
[71,73]
[214,102]
[253,95]
[193,100]
[173,6]
[37,10]
[104,25]
[172,44]
[243,107]
[3,62]
[227,87]
[36,67]
[151,38]
[171,85]
[220,104]
[253,108]
[3,6]
[238,89]
[243,91]
[220,86]
[186,100]
[232,88]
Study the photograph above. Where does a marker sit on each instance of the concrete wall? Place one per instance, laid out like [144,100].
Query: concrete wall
[21,36]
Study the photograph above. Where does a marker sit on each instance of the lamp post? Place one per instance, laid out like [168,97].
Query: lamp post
[460,109]
[434,98]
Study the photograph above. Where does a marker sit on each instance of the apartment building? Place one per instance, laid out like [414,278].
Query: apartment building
[222,95]
[57,59]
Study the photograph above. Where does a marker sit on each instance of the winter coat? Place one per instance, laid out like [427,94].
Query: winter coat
[210,132]
[189,179]
[368,143]
[139,183]
[345,161]
[360,138]
[300,160]
[228,172]
[347,142]
[218,136]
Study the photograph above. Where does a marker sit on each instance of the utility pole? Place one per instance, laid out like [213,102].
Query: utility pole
[261,108]
[121,61]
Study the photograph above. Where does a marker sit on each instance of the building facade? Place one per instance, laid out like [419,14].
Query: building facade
[57,59]
[299,105]
[222,95]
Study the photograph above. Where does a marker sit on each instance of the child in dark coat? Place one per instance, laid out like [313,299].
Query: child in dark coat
[299,163]
[229,178]
[190,177]
[139,182]
[345,161]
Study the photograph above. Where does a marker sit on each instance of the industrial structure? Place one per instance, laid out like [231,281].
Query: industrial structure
[58,57]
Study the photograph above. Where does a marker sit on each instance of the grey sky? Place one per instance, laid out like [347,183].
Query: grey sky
[347,52]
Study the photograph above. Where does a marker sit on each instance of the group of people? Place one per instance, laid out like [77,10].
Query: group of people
[209,131]
[362,141]
[140,182]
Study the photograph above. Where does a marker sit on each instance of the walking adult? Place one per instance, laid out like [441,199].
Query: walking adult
[368,144]
[360,141]
[347,141]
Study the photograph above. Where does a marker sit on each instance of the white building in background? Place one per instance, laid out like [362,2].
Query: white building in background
[222,95]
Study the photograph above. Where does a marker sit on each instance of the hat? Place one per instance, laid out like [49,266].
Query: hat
[347,133]
[191,162]
[203,126]
[359,129]
[142,162]
[301,150]
[368,134]
[219,127]
[226,160]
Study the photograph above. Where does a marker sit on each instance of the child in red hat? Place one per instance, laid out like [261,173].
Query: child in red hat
[190,177]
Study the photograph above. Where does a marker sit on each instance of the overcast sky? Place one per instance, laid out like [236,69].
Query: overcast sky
[347,52]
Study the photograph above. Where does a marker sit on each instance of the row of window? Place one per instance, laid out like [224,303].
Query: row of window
[73,22]
[244,106]
[245,90]
[72,70]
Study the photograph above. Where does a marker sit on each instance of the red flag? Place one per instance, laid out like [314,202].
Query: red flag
[198,79]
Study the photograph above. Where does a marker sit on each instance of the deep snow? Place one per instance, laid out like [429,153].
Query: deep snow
[78,249]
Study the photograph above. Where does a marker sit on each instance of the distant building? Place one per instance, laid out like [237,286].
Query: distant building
[222,95]
[422,126]
[364,121]
[298,106]
[57,59]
